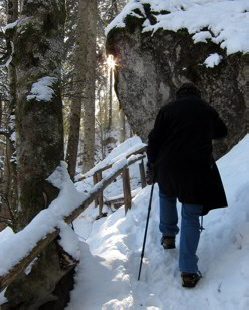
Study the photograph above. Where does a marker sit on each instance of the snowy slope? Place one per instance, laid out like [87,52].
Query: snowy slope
[107,274]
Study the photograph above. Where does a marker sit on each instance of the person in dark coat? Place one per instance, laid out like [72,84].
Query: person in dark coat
[180,154]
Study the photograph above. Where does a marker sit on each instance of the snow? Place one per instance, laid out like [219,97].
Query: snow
[13,136]
[213,60]
[224,22]
[60,176]
[110,248]
[5,234]
[2,298]
[122,151]
[202,36]
[106,277]
[20,244]
[8,62]
[69,241]
[41,90]
[10,26]
[127,10]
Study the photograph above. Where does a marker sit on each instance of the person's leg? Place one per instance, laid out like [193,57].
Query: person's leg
[168,215]
[190,235]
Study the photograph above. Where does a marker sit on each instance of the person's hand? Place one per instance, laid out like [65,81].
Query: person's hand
[149,174]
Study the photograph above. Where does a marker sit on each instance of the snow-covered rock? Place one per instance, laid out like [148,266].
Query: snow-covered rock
[158,45]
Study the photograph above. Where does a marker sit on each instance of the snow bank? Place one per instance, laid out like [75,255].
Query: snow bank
[224,22]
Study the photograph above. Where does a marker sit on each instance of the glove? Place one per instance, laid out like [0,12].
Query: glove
[149,174]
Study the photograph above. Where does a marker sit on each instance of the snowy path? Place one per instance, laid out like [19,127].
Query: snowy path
[107,275]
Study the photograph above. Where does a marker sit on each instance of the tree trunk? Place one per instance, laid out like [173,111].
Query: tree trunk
[1,161]
[38,43]
[106,107]
[110,100]
[115,6]
[122,126]
[89,101]
[10,183]
[101,123]
[12,13]
[39,134]
[1,111]
[79,84]
[73,135]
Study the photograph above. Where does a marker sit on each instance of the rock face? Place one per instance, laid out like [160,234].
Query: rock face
[150,68]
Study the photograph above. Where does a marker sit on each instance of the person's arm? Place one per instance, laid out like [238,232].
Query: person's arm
[155,138]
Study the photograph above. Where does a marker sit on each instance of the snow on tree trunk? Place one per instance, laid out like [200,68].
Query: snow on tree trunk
[89,101]
[38,43]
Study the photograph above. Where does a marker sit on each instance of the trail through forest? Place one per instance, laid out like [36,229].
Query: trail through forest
[110,254]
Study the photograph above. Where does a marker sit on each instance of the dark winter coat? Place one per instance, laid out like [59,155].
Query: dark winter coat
[180,147]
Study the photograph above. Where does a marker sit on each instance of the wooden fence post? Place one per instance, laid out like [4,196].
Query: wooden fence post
[127,189]
[142,174]
[95,181]
[101,197]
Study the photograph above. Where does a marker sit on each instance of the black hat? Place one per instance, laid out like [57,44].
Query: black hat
[187,89]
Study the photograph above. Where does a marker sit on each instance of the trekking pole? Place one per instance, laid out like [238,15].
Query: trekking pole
[146,228]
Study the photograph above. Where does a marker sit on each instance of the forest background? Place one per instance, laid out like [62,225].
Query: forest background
[92,119]
[56,103]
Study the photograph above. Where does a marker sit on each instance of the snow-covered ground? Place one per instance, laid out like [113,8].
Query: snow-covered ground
[110,250]
[111,247]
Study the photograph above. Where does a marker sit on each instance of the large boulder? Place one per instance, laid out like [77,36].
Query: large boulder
[151,65]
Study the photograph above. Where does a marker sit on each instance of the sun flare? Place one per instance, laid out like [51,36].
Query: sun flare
[111,62]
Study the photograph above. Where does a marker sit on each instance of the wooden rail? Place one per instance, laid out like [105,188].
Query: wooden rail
[139,151]
[97,177]
[19,268]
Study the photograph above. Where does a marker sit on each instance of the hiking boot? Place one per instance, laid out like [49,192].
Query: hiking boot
[168,242]
[190,279]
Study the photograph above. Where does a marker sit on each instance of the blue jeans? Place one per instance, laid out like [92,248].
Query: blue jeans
[190,229]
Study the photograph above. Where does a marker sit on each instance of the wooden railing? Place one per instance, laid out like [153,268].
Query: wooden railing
[97,195]
[97,177]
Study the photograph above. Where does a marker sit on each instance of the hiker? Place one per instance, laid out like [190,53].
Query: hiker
[180,156]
